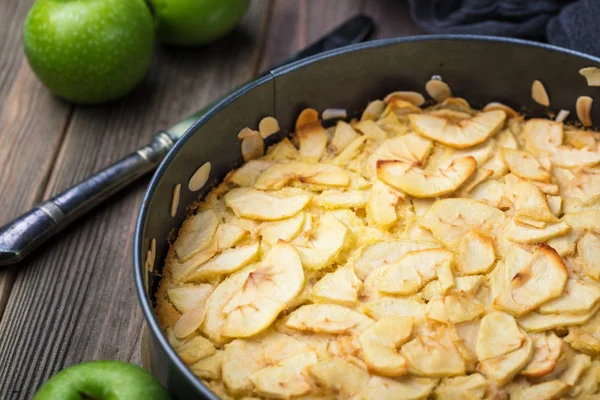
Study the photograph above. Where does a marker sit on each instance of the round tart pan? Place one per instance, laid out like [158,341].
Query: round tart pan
[478,68]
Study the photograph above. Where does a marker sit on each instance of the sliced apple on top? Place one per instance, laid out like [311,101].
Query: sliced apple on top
[499,334]
[547,351]
[501,369]
[450,219]
[285,229]
[541,280]
[570,158]
[542,136]
[473,386]
[454,308]
[339,375]
[434,357]
[313,140]
[586,338]
[285,379]
[265,293]
[585,186]
[189,297]
[530,203]
[338,287]
[327,318]
[383,252]
[524,165]
[324,244]
[528,234]
[195,234]
[381,204]
[588,253]
[577,297]
[343,135]
[403,388]
[332,199]
[476,253]
[410,178]
[537,322]
[228,235]
[225,263]
[247,174]
[266,206]
[413,270]
[380,343]
[462,134]
[280,174]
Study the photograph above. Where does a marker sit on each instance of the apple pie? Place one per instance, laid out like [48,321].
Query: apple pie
[426,250]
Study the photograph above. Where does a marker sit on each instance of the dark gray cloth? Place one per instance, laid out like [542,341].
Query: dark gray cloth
[574,24]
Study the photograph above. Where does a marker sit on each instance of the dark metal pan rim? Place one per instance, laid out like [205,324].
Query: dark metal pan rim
[147,307]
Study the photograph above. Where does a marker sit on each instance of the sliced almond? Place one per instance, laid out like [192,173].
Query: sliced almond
[189,322]
[592,75]
[247,132]
[438,90]
[562,115]
[175,199]
[200,177]
[268,126]
[539,94]
[334,113]
[253,147]
[584,110]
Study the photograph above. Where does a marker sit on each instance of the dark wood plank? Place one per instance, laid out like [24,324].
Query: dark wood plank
[392,18]
[32,124]
[295,24]
[76,300]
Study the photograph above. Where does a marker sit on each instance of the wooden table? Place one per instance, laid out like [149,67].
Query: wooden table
[75,300]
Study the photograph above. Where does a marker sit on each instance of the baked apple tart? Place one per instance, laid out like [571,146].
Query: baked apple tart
[421,251]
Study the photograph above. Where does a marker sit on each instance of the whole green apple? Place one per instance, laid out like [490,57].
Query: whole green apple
[89,51]
[102,380]
[195,22]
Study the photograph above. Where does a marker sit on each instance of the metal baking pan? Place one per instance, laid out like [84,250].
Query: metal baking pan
[478,68]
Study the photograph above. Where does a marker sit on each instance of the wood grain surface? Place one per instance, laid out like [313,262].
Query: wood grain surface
[75,300]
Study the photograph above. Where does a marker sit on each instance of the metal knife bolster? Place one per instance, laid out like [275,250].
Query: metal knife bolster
[27,232]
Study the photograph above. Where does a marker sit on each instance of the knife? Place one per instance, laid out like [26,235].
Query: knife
[26,233]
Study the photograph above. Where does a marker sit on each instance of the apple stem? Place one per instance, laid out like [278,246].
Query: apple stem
[85,396]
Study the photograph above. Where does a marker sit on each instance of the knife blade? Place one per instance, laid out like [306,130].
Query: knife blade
[27,232]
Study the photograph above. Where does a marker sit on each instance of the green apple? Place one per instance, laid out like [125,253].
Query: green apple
[195,22]
[102,380]
[89,51]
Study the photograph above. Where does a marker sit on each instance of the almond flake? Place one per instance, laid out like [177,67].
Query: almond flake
[584,110]
[562,115]
[268,126]
[334,113]
[438,90]
[175,199]
[253,147]
[198,180]
[539,94]
[592,74]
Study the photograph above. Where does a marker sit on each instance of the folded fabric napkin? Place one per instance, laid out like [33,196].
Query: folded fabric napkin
[574,24]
